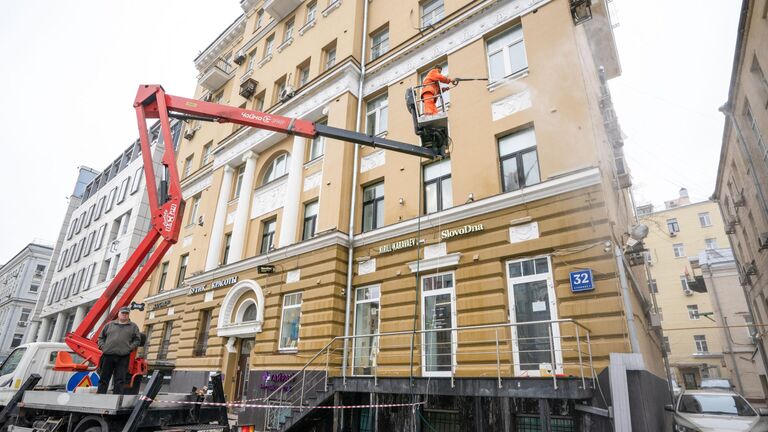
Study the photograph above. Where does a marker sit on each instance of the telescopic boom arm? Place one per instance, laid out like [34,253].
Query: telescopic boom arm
[167,205]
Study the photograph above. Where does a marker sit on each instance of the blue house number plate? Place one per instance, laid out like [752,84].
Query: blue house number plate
[582,281]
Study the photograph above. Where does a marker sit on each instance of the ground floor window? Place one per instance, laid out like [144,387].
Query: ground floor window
[289,324]
[438,313]
[366,323]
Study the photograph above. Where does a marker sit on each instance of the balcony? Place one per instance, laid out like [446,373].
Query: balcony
[217,75]
[248,87]
[279,9]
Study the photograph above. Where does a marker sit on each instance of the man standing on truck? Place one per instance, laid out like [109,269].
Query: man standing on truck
[116,342]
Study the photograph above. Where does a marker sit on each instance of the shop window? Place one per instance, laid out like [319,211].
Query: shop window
[290,321]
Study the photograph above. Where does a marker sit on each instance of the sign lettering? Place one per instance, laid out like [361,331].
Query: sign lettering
[466,229]
[402,244]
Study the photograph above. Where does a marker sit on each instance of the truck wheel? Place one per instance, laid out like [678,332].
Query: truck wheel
[91,424]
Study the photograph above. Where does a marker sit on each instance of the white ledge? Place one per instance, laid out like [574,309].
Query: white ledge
[285,44]
[334,5]
[264,61]
[246,329]
[450,260]
[307,26]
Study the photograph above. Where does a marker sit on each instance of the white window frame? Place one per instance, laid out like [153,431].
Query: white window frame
[549,278]
[454,336]
[375,107]
[435,15]
[508,72]
[272,173]
[678,249]
[693,312]
[698,343]
[100,207]
[282,318]
[705,220]
[375,344]
[710,243]
[193,211]
[379,42]
[123,190]
[311,11]
[111,199]
[137,175]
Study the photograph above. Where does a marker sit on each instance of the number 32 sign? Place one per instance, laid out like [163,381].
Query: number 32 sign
[582,281]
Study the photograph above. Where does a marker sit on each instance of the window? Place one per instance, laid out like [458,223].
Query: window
[672,226]
[311,11]
[125,220]
[89,216]
[289,323]
[310,220]
[751,329]
[52,292]
[16,341]
[193,212]
[506,54]
[302,74]
[111,199]
[268,236]
[123,190]
[684,283]
[207,154]
[711,243]
[376,115]
[68,287]
[277,169]
[258,104]
[187,166]
[373,206]
[99,239]
[24,317]
[288,33]
[259,19]
[366,323]
[329,55]
[755,130]
[438,193]
[201,342]
[115,266]
[148,336]
[654,287]
[758,74]
[34,288]
[227,242]
[701,343]
[163,277]
[379,43]
[693,312]
[432,11]
[667,348]
[678,250]
[182,270]
[269,44]
[89,277]
[100,207]
[317,145]
[238,181]
[445,95]
[704,219]
[137,175]
[519,160]
[165,342]
[438,312]
[79,223]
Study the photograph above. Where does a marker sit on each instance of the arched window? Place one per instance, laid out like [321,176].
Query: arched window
[250,313]
[277,169]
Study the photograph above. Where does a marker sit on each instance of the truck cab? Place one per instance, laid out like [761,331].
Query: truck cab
[35,357]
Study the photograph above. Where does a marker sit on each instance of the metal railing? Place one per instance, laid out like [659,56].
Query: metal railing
[441,100]
[553,349]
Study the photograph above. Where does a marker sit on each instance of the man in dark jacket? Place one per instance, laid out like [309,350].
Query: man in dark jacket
[116,342]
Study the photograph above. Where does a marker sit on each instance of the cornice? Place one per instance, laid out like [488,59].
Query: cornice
[221,44]
[560,185]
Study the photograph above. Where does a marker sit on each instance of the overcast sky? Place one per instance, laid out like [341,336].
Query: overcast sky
[70,72]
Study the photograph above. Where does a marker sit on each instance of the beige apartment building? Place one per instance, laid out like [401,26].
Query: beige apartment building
[692,270]
[306,265]
[742,177]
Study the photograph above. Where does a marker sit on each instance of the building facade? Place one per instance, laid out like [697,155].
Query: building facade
[21,279]
[741,189]
[432,270]
[108,221]
[688,255]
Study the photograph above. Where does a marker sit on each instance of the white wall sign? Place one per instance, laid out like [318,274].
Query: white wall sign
[521,233]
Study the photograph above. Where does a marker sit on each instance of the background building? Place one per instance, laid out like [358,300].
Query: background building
[108,221]
[689,263]
[21,279]
[742,177]
[290,242]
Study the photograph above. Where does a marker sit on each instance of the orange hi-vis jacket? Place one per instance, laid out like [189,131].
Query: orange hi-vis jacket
[431,82]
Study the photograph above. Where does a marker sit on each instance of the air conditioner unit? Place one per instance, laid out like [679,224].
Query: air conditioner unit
[190,133]
[38,273]
[239,57]
[286,93]
[751,269]
[739,201]
[200,220]
[23,324]
[730,227]
[687,292]
[672,234]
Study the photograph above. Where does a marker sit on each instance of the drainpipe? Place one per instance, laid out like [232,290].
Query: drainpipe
[353,205]
[633,341]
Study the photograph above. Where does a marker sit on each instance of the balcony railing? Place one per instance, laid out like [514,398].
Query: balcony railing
[552,350]
[217,75]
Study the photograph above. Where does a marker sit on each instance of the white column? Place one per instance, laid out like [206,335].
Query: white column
[243,213]
[31,334]
[58,329]
[219,220]
[292,193]
[79,315]
[45,325]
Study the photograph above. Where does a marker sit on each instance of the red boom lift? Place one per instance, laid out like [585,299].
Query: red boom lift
[167,204]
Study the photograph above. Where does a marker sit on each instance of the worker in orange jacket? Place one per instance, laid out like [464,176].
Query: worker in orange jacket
[431,89]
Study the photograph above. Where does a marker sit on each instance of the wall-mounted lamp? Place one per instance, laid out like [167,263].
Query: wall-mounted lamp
[401,201]
[470,197]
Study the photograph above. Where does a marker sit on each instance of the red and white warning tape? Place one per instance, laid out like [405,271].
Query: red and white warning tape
[246,405]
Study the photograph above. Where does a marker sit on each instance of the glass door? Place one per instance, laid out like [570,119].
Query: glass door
[365,348]
[243,368]
[536,347]
[438,312]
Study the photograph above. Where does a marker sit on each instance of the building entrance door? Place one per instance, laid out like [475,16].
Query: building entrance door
[241,376]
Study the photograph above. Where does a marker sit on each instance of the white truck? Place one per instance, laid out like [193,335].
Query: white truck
[33,358]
